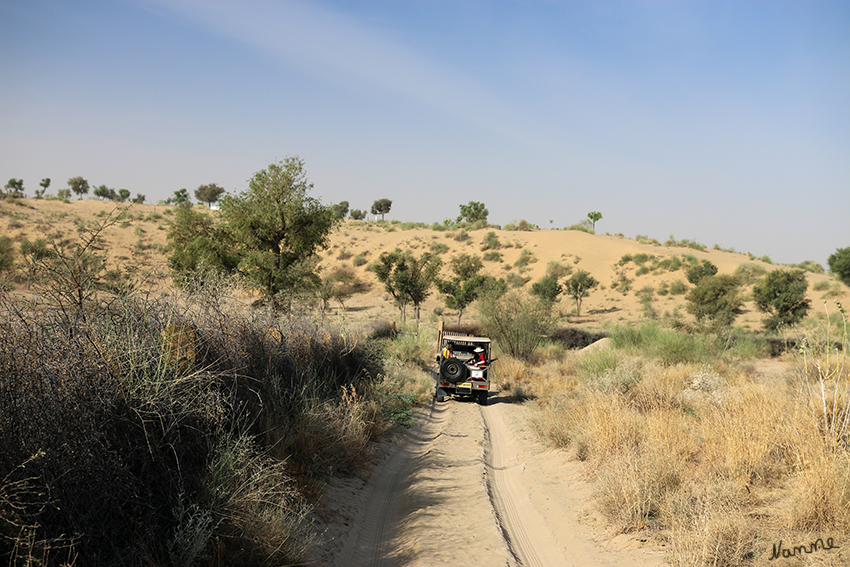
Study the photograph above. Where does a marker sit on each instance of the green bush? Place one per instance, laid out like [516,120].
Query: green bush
[580,227]
[179,433]
[515,321]
[839,264]
[670,346]
[439,247]
[516,280]
[526,257]
[810,266]
[492,256]
[7,253]
[700,271]
[782,295]
[715,301]
[490,242]
[748,273]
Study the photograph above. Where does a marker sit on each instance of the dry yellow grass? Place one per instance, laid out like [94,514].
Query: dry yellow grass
[722,463]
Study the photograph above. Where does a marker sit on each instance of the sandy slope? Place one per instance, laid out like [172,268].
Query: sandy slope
[468,485]
[137,244]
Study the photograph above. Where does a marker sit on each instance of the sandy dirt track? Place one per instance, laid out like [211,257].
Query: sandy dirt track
[469,485]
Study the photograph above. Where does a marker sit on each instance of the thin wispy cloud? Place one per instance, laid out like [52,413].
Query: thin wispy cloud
[345,52]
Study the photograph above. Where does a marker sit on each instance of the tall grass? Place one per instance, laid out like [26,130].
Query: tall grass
[687,442]
[177,431]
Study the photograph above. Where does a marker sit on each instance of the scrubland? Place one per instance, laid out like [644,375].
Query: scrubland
[699,443]
[144,425]
[180,431]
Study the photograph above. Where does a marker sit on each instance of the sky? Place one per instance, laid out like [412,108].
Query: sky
[723,122]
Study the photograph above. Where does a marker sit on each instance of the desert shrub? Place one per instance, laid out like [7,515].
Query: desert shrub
[182,423]
[492,256]
[646,240]
[839,264]
[686,243]
[715,301]
[782,295]
[748,273]
[515,321]
[490,242]
[820,286]
[461,236]
[583,227]
[678,287]
[439,247]
[526,257]
[516,280]
[667,345]
[809,266]
[7,253]
[699,271]
[359,260]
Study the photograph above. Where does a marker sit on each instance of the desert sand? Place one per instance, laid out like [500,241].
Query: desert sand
[470,485]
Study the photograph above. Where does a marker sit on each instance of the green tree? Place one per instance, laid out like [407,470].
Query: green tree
[381,207]
[45,183]
[198,246]
[594,216]
[579,286]
[473,212]
[547,288]
[123,195]
[699,271]
[839,264]
[715,301]
[279,229]
[104,192]
[357,214]
[139,199]
[79,186]
[463,288]
[180,197]
[782,295]
[340,210]
[209,193]
[406,278]
[15,187]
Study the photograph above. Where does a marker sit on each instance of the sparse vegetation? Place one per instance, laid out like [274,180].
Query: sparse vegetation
[782,295]
[839,264]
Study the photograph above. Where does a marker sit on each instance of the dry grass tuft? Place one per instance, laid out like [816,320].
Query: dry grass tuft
[720,462]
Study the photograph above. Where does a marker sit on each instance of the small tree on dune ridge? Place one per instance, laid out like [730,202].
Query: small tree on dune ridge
[381,207]
[579,286]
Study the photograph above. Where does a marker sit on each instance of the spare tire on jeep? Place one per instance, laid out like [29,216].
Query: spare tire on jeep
[453,370]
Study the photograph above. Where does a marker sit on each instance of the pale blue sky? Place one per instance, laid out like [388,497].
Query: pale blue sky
[726,122]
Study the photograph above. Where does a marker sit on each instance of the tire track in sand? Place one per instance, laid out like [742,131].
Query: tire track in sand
[529,539]
[368,543]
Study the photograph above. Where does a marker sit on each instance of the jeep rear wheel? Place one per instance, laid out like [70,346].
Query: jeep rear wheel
[453,370]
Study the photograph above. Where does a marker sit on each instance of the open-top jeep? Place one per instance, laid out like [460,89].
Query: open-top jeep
[463,366]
